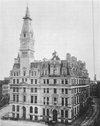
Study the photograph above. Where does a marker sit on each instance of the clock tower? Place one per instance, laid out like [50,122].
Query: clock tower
[26,44]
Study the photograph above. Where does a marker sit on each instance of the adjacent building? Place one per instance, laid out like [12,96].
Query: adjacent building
[4,91]
[5,87]
[52,89]
[93,88]
[0,91]
[98,89]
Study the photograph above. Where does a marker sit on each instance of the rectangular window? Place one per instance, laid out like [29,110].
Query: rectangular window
[24,98]
[24,73]
[47,100]
[17,81]
[13,98]
[45,72]
[66,81]
[35,73]
[47,81]
[35,90]
[55,90]
[66,101]
[47,112]
[31,81]
[35,81]
[62,91]
[75,111]
[44,81]
[31,99]
[44,90]
[24,89]
[62,101]
[31,89]
[35,99]
[32,73]
[17,108]
[77,81]
[62,81]
[47,90]
[77,99]
[55,99]
[44,101]
[13,81]
[13,89]
[17,89]
[44,111]
[17,116]
[36,117]
[17,98]
[66,113]
[62,113]
[77,90]
[13,108]
[66,91]
[14,74]
[17,73]
[55,81]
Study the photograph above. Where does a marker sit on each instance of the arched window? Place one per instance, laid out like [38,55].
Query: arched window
[35,110]
[31,109]
[13,108]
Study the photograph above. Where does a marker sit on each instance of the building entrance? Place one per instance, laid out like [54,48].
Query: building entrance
[24,112]
[55,115]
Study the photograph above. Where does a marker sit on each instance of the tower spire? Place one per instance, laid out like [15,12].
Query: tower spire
[27,14]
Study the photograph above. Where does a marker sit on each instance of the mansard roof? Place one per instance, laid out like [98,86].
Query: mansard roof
[35,64]
[16,66]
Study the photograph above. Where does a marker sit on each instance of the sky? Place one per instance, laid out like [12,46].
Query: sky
[62,25]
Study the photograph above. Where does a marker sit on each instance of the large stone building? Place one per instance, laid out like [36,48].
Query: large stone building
[52,89]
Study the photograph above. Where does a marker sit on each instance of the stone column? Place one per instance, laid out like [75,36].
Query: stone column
[69,116]
[27,112]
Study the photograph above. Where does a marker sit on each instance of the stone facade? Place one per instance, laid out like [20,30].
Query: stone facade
[52,89]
